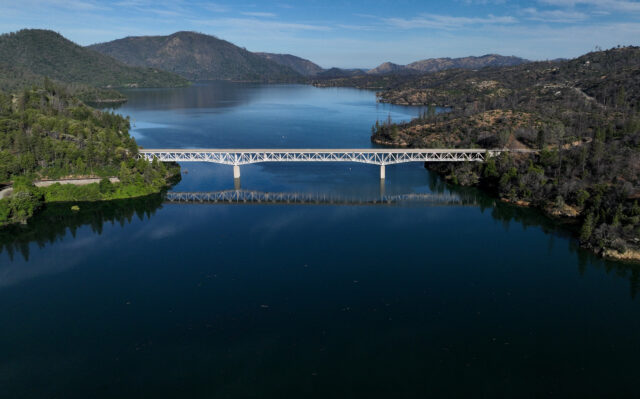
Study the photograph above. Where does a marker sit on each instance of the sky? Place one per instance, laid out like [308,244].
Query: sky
[350,33]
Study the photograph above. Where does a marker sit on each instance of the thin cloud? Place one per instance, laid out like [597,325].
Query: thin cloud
[484,2]
[259,14]
[72,5]
[365,15]
[215,7]
[357,27]
[618,5]
[166,13]
[257,25]
[162,8]
[555,16]
[132,3]
[435,21]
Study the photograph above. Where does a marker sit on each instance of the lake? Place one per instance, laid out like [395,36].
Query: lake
[339,297]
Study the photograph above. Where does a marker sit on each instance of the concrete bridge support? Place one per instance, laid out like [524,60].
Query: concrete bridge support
[236,171]
[382,172]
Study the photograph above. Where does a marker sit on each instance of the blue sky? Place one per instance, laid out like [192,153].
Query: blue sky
[350,33]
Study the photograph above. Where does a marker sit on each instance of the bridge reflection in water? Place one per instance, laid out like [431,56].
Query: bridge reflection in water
[259,197]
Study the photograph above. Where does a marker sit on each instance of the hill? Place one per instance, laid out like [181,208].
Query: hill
[583,117]
[27,56]
[441,64]
[335,73]
[46,133]
[302,66]
[387,68]
[196,56]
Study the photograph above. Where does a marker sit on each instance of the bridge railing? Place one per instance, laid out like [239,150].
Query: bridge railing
[375,156]
[367,156]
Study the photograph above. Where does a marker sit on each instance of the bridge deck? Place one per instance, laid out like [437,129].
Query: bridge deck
[319,150]
[376,156]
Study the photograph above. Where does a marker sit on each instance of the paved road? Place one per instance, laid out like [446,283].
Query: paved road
[6,192]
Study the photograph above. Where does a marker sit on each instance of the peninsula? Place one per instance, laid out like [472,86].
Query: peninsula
[582,115]
[46,133]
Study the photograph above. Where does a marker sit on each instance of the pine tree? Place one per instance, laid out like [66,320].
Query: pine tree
[587,228]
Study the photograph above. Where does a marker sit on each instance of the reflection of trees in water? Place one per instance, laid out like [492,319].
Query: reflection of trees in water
[106,106]
[51,224]
[215,94]
[56,219]
[529,217]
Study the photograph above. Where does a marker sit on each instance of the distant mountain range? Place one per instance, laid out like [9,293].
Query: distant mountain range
[424,66]
[333,73]
[439,64]
[197,56]
[27,56]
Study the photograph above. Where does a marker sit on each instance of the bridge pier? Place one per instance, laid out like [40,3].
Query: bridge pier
[382,172]
[236,171]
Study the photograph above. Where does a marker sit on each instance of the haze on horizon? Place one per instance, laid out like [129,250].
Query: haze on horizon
[350,34]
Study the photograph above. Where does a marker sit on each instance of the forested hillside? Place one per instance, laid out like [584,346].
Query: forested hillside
[302,66]
[29,55]
[47,133]
[583,117]
[197,56]
[441,64]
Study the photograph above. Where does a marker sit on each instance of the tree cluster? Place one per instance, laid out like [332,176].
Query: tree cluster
[46,133]
[582,115]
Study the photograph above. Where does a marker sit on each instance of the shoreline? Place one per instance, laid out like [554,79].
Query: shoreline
[79,181]
[85,197]
[631,256]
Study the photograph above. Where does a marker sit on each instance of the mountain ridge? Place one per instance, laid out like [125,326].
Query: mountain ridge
[36,53]
[443,63]
[196,56]
[301,65]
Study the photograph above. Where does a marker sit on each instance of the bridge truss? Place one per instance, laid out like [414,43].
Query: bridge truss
[368,156]
[374,156]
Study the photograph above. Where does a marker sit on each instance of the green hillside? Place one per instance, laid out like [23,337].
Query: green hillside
[302,66]
[196,56]
[46,133]
[27,56]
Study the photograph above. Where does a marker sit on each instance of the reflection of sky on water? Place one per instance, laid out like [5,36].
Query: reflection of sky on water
[228,299]
[69,253]
[138,128]
[224,115]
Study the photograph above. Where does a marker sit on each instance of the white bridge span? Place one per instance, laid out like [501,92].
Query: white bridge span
[382,157]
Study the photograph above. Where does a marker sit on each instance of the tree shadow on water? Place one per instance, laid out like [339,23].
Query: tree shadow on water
[509,214]
[56,219]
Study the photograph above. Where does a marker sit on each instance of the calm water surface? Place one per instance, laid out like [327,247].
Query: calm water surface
[145,298]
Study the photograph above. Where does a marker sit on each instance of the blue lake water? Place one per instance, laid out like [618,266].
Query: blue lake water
[411,299]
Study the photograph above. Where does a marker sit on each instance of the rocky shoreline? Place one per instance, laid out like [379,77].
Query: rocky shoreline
[566,214]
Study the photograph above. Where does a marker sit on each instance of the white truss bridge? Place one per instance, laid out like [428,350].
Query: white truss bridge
[381,157]
[259,197]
